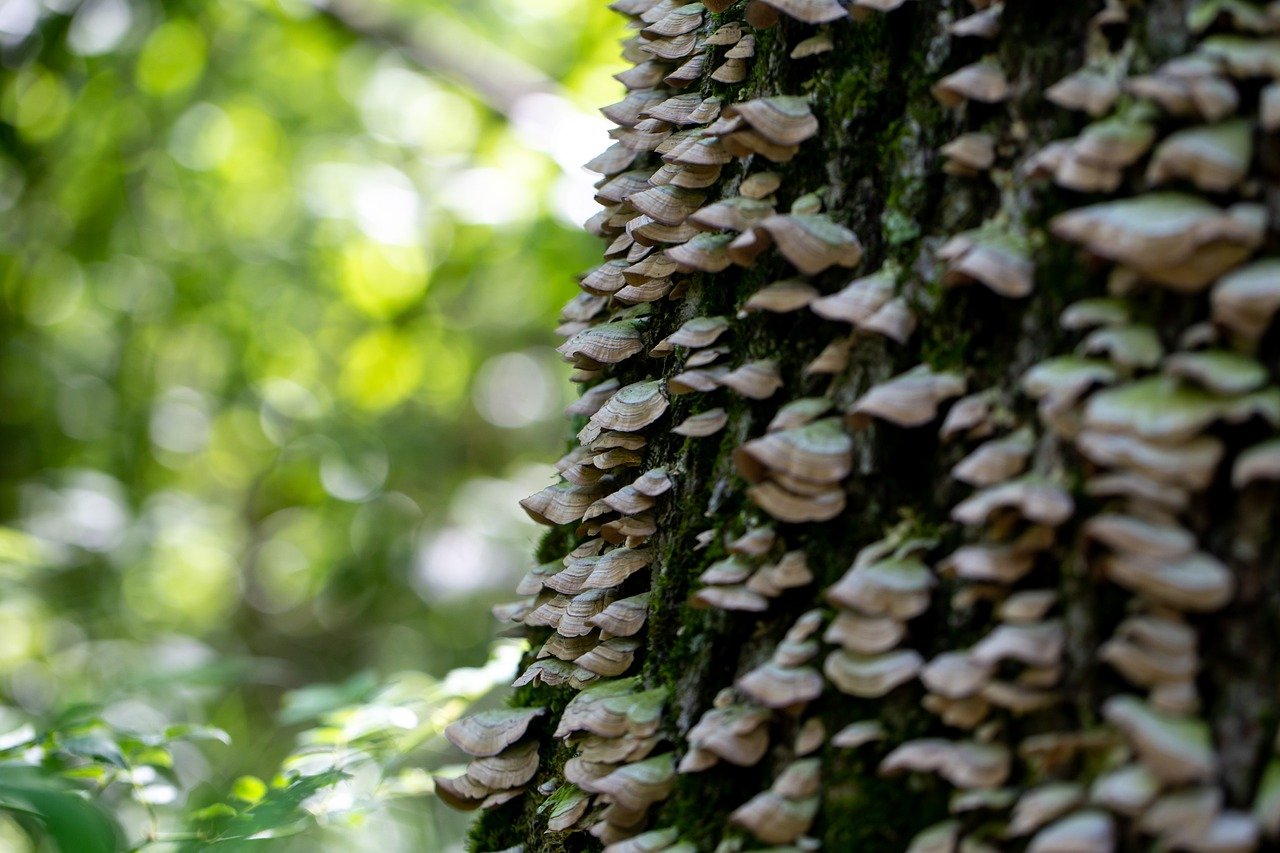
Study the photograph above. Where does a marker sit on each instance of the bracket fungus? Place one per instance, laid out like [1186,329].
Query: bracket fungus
[1174,239]
[983,81]
[908,400]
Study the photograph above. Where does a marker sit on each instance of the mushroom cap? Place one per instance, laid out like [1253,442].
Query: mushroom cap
[942,837]
[973,152]
[894,587]
[732,70]
[792,508]
[866,635]
[510,769]
[858,301]
[608,343]
[667,204]
[613,568]
[702,424]
[1089,90]
[1195,582]
[490,732]
[760,185]
[1039,644]
[699,332]
[777,686]
[812,242]
[1189,464]
[997,460]
[983,81]
[677,22]
[638,785]
[559,504]
[630,409]
[654,841]
[782,119]
[1158,408]
[1042,804]
[737,213]
[956,674]
[756,380]
[965,764]
[703,252]
[1036,500]
[1175,750]
[1246,300]
[999,263]
[857,734]
[1215,157]
[1143,536]
[998,563]
[820,451]
[799,412]
[461,793]
[1217,371]
[910,399]
[1260,462]
[565,807]
[1127,790]
[773,818]
[623,617]
[871,676]
[730,597]
[1174,239]
[1088,830]
[810,11]
[610,658]
[737,734]
[1066,378]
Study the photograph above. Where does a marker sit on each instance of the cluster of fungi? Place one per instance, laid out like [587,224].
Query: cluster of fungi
[948,654]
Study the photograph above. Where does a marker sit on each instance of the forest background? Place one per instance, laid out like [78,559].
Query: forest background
[277,286]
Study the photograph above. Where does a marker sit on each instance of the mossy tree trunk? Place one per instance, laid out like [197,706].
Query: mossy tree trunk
[1195,740]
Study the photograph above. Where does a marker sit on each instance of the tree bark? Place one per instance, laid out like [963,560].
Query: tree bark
[1123,649]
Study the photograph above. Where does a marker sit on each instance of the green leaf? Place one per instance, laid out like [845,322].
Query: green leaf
[61,814]
[251,789]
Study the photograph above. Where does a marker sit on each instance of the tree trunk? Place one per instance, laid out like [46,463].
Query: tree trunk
[1043,598]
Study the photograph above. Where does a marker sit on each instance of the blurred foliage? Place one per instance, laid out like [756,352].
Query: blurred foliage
[276,281]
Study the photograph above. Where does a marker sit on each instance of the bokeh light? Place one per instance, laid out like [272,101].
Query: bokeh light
[276,294]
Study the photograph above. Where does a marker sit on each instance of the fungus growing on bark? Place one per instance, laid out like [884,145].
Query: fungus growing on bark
[983,81]
[871,676]
[1188,86]
[1246,300]
[774,685]
[821,452]
[1215,158]
[755,380]
[781,297]
[997,460]
[1034,499]
[983,24]
[1174,750]
[965,764]
[811,242]
[490,732]
[969,154]
[809,11]
[1174,239]
[999,261]
[737,734]
[1089,90]
[702,424]
[908,400]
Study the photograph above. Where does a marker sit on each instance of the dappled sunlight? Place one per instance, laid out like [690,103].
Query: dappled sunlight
[275,289]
